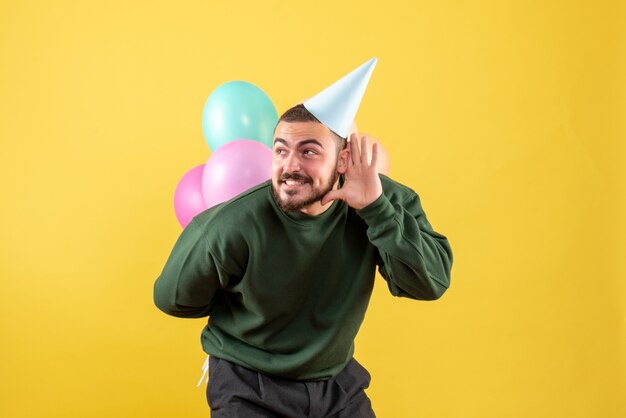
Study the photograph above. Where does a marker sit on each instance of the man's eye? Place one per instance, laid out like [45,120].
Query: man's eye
[309,152]
[280,151]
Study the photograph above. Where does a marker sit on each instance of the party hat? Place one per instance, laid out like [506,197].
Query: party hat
[336,106]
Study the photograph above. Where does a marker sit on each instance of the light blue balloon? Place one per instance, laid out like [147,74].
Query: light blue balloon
[238,110]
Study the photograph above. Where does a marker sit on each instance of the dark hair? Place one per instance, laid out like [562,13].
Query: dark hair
[299,113]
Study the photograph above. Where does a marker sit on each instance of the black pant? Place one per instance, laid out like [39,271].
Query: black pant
[235,391]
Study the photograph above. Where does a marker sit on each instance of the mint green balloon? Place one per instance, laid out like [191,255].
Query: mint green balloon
[238,110]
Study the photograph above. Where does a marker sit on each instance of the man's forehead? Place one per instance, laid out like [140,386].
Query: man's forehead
[296,132]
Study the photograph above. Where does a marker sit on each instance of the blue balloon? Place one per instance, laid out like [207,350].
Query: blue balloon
[238,110]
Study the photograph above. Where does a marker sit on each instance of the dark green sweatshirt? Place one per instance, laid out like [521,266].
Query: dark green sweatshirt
[286,293]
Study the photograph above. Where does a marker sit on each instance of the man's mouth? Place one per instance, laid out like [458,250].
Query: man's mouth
[294,180]
[291,182]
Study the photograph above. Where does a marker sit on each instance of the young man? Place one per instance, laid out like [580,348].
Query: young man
[285,272]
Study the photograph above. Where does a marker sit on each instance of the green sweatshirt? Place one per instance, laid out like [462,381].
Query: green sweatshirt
[286,293]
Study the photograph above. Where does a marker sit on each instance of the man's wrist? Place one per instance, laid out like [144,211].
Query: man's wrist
[379,209]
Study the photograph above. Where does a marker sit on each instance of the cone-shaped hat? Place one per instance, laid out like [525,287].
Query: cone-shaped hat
[336,106]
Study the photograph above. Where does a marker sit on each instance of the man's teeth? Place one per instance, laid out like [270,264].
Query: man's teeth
[294,182]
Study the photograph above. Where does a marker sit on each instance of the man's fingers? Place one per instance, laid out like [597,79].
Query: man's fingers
[332,195]
[375,155]
[354,149]
[364,151]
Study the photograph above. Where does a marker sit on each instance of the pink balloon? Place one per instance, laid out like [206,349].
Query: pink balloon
[234,168]
[188,200]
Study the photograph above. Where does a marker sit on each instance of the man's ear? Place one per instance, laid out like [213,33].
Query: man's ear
[343,158]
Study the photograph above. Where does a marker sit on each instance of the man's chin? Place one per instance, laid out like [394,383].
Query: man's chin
[288,201]
[291,204]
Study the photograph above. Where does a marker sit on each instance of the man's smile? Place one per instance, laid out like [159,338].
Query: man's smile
[294,181]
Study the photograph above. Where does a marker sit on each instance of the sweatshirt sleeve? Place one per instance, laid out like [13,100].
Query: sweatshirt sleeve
[416,260]
[190,278]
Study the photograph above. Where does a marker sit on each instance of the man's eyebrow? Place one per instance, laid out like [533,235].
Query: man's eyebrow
[301,143]
[310,141]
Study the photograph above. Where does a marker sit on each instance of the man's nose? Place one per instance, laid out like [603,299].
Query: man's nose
[292,164]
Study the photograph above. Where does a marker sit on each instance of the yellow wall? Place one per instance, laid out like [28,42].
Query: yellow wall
[506,117]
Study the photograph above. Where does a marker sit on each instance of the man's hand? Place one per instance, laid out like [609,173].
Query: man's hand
[362,185]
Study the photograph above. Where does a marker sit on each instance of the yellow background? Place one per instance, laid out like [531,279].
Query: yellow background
[506,117]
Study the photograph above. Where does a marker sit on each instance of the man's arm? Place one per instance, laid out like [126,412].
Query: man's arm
[416,260]
[190,277]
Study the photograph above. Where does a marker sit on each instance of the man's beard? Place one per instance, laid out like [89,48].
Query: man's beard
[292,205]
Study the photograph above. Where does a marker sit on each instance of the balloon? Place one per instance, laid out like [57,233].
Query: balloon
[235,110]
[234,168]
[188,200]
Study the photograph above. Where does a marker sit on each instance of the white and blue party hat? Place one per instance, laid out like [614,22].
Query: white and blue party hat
[336,106]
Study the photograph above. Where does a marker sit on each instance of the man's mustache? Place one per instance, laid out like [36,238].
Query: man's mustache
[295,176]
